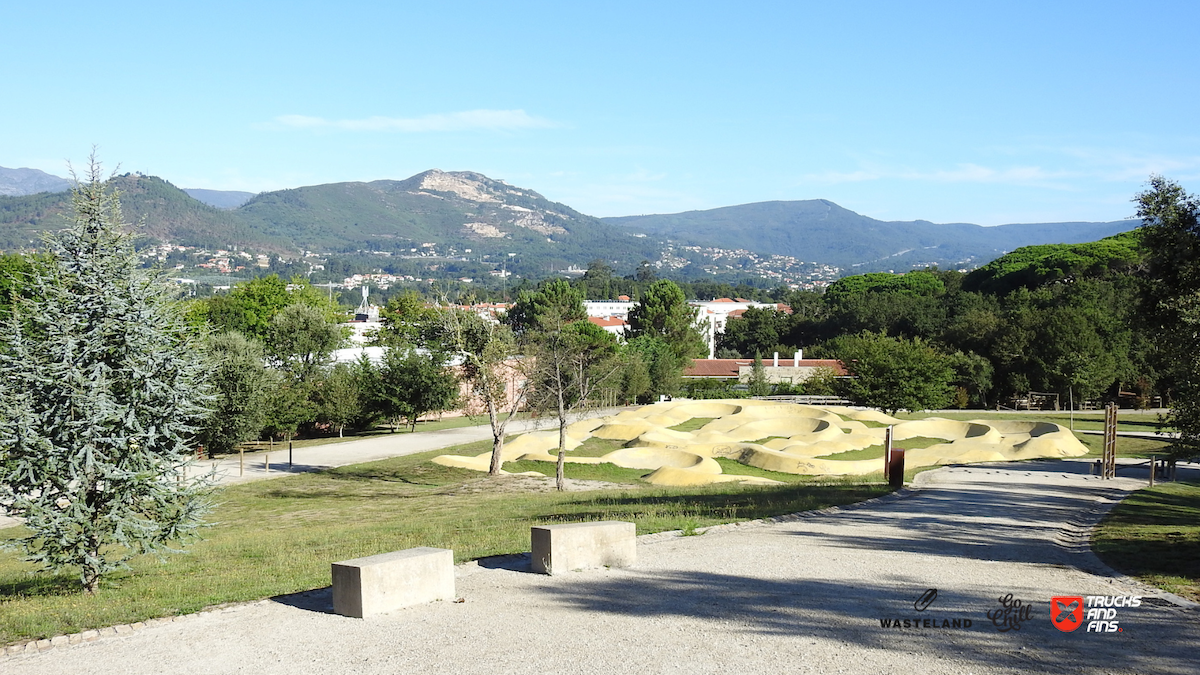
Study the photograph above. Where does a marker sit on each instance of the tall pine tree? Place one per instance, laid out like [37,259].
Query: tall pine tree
[101,390]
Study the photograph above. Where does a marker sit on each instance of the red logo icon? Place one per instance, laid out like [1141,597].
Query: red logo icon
[1066,612]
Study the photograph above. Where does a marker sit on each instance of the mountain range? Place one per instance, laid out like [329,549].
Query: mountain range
[466,211]
[818,230]
[18,182]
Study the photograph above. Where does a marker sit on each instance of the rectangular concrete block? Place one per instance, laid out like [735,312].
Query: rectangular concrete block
[376,584]
[575,546]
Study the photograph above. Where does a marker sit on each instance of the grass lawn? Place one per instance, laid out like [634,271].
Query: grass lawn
[1154,535]
[693,424]
[279,536]
[876,451]
[432,425]
[1127,446]
[1092,420]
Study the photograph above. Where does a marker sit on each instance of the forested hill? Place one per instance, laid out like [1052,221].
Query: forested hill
[466,214]
[455,211]
[160,210]
[821,231]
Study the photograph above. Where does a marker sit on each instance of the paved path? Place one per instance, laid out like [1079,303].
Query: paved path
[315,458]
[274,464]
[801,596]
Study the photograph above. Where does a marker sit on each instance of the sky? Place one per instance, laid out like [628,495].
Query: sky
[987,113]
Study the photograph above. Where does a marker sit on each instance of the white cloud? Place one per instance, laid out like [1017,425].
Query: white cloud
[489,120]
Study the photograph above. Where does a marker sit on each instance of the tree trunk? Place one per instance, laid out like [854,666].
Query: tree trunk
[497,439]
[560,480]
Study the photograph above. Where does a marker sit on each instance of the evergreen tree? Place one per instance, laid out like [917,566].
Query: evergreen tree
[241,386]
[100,396]
[758,383]
[1171,232]
[894,373]
[340,397]
[663,312]
[556,298]
[410,384]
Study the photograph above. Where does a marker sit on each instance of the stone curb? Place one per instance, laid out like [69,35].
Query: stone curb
[38,646]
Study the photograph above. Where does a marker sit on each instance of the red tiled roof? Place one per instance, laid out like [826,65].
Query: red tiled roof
[607,321]
[729,367]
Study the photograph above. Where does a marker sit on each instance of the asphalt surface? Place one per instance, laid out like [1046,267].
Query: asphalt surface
[808,595]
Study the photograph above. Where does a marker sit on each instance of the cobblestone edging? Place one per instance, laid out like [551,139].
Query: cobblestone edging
[36,646]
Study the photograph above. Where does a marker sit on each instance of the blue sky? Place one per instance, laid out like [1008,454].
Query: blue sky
[951,112]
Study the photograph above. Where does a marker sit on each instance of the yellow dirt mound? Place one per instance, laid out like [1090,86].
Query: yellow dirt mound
[950,430]
[656,458]
[671,476]
[808,441]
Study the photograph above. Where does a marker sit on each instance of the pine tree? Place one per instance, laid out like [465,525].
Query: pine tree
[101,390]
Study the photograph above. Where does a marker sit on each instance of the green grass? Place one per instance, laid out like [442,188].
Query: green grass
[432,425]
[593,447]
[693,424]
[279,536]
[1127,420]
[606,472]
[736,468]
[1154,535]
[1127,446]
[876,451]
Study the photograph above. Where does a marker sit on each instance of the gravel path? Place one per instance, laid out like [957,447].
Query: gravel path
[265,465]
[801,596]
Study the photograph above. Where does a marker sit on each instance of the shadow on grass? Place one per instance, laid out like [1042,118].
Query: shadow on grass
[40,585]
[724,504]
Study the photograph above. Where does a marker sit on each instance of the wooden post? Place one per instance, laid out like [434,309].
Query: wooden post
[896,468]
[887,453]
[267,462]
[289,453]
[1153,468]
[1110,441]
[241,461]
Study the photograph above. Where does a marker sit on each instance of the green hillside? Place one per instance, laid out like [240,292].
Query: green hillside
[819,230]
[1033,266]
[456,211]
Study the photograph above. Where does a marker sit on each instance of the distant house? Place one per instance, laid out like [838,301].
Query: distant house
[613,324]
[777,370]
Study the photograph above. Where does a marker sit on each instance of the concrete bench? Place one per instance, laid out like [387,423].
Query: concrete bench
[365,587]
[562,548]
